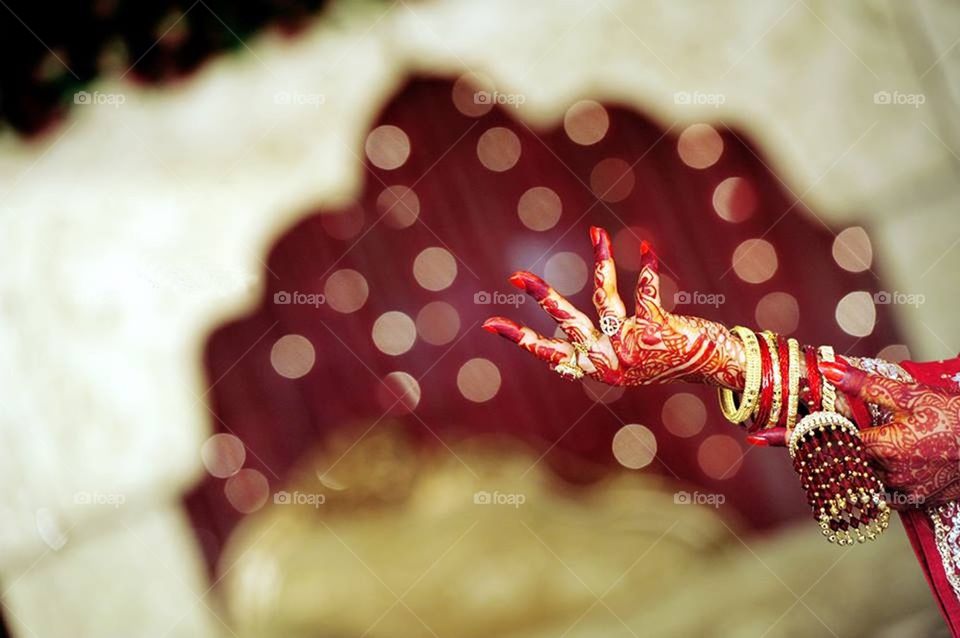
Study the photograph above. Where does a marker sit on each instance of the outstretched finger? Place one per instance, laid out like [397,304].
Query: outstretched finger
[872,388]
[648,285]
[606,298]
[553,351]
[771,437]
[578,326]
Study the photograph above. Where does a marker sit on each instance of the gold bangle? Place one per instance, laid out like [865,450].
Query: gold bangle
[777,403]
[829,392]
[751,386]
[793,382]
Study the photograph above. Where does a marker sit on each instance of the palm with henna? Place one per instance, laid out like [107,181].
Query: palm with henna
[652,346]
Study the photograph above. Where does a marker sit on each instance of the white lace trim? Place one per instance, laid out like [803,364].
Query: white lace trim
[946,526]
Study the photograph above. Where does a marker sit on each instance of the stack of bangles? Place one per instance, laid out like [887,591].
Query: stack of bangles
[771,394]
[843,491]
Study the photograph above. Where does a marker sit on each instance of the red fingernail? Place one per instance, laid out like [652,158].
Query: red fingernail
[834,371]
[595,234]
[531,283]
[757,440]
[601,243]
[644,247]
[503,327]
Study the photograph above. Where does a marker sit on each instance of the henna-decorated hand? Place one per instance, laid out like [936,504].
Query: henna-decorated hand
[916,454]
[653,346]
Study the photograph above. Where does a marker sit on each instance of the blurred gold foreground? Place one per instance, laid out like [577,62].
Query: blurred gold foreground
[378,540]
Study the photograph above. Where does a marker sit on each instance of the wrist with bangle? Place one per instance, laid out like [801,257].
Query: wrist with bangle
[842,489]
[772,385]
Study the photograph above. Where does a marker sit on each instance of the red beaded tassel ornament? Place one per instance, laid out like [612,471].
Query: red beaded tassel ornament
[842,489]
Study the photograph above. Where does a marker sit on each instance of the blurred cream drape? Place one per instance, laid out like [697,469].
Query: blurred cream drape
[480,543]
[130,231]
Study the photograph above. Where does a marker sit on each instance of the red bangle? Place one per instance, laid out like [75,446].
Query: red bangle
[764,405]
[814,381]
[784,353]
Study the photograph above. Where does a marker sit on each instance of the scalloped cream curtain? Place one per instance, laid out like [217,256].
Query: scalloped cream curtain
[131,230]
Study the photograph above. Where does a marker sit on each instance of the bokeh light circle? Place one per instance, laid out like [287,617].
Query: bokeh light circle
[471,94]
[720,456]
[567,272]
[539,208]
[398,206]
[438,323]
[387,147]
[399,393]
[755,261]
[634,446]
[435,268]
[394,333]
[346,290]
[856,314]
[683,415]
[734,199]
[292,356]
[779,312]
[700,146]
[247,491]
[599,391]
[223,455]
[586,122]
[498,149]
[895,353]
[479,380]
[612,180]
[852,249]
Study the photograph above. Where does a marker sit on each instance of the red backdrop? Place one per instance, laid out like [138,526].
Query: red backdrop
[471,211]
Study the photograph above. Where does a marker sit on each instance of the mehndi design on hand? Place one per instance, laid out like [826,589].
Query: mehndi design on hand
[652,346]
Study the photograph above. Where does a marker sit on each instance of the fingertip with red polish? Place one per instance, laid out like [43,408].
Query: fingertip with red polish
[524,280]
[648,258]
[834,371]
[601,243]
[503,327]
[844,376]
[772,437]
[595,232]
